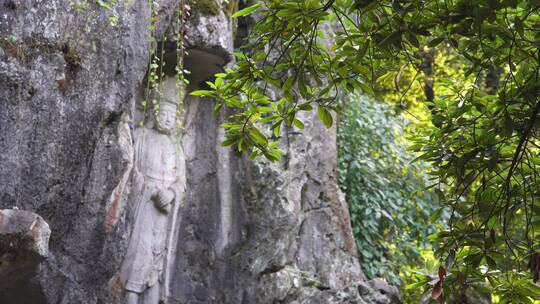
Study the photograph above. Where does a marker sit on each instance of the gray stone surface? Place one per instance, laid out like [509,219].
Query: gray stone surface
[248,232]
[377,291]
[68,82]
[210,37]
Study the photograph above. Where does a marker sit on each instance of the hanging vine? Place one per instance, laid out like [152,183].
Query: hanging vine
[156,63]
[182,17]
[152,77]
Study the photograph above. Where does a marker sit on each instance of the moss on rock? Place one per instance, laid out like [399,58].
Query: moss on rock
[206,7]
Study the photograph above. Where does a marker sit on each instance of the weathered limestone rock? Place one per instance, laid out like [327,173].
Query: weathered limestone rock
[24,243]
[379,292]
[71,79]
[210,37]
[68,81]
[308,230]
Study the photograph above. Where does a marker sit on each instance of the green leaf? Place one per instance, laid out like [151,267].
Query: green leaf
[325,116]
[104,4]
[253,155]
[277,129]
[416,285]
[366,89]
[258,137]
[394,37]
[202,93]
[289,83]
[436,215]
[298,124]
[246,11]
[229,142]
[450,259]
[265,109]
[360,4]
[412,39]
[436,41]
[287,12]
[305,107]
[491,262]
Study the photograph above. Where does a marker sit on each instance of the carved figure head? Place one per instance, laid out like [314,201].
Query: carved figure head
[169,94]
[166,119]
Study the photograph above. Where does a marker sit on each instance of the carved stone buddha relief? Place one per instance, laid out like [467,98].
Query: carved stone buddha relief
[159,182]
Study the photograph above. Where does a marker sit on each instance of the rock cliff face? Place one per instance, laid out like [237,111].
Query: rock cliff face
[72,74]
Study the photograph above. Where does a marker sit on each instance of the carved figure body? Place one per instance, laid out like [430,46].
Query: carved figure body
[158,187]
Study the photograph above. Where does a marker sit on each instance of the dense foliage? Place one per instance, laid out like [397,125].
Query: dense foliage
[483,141]
[390,209]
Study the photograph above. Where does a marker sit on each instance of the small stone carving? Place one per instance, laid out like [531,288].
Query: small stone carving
[159,183]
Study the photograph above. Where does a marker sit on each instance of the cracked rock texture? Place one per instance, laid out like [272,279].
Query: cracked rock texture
[250,232]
